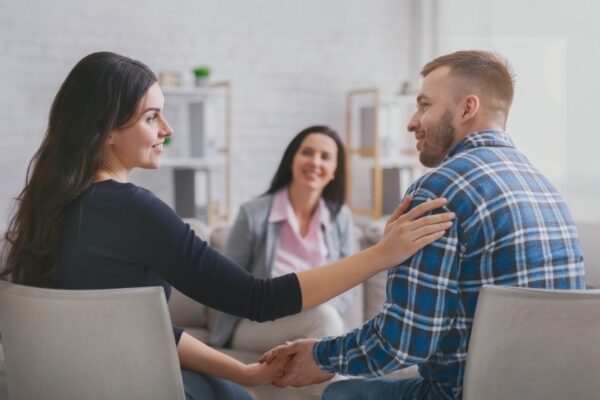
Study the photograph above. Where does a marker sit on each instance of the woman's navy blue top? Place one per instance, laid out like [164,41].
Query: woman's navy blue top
[119,235]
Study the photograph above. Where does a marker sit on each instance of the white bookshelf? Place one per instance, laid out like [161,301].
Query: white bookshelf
[199,150]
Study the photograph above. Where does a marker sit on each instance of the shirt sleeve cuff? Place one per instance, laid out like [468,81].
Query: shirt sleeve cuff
[322,351]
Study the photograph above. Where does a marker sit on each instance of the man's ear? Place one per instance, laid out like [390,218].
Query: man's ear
[470,108]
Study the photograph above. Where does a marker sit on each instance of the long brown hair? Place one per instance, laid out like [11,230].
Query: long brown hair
[101,93]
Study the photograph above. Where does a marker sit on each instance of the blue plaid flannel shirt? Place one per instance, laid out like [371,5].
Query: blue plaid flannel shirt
[511,228]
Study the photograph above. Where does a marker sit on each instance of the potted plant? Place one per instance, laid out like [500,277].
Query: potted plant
[201,74]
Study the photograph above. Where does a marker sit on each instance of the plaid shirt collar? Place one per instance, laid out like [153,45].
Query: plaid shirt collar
[488,138]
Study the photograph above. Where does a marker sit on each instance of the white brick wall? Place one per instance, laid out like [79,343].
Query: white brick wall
[290,63]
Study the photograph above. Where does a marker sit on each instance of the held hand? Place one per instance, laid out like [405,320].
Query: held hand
[261,373]
[406,233]
[283,351]
[301,370]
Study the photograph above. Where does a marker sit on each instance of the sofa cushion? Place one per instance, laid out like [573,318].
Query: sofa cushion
[354,316]
[198,333]
[375,288]
[218,238]
[186,312]
[202,230]
[374,295]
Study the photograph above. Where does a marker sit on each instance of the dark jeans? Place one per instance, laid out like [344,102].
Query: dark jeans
[382,388]
[203,387]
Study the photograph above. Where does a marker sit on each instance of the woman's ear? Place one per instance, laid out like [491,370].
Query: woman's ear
[110,139]
[470,108]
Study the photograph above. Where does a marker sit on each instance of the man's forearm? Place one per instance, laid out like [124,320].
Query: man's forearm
[361,352]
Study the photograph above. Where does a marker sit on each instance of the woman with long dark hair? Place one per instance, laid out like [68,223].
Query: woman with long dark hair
[301,222]
[80,224]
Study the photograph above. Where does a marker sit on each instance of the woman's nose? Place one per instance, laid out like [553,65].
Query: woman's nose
[316,160]
[166,128]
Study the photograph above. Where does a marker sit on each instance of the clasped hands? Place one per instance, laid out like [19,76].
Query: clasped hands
[300,368]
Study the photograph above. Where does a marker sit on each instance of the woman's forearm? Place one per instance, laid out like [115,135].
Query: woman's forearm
[198,357]
[321,284]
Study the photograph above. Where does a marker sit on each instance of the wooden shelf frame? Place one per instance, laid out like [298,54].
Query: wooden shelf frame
[351,149]
[407,163]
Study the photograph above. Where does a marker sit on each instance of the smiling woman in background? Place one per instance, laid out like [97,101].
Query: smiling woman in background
[80,224]
[301,222]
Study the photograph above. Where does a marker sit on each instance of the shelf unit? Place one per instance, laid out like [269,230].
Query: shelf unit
[200,150]
[381,156]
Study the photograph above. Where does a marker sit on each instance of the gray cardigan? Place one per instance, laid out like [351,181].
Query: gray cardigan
[252,242]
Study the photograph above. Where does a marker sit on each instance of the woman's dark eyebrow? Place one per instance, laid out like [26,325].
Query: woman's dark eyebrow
[150,109]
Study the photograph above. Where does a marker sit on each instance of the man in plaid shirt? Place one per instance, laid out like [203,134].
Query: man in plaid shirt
[511,228]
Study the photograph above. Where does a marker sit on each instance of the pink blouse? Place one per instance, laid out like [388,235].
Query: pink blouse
[295,253]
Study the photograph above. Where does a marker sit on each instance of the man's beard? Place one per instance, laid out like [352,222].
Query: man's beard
[438,141]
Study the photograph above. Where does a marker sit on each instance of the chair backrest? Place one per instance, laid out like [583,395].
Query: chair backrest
[88,344]
[534,344]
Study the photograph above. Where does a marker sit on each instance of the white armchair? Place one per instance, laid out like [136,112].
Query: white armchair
[534,344]
[88,344]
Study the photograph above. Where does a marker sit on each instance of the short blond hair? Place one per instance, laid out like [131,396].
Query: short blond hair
[485,71]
